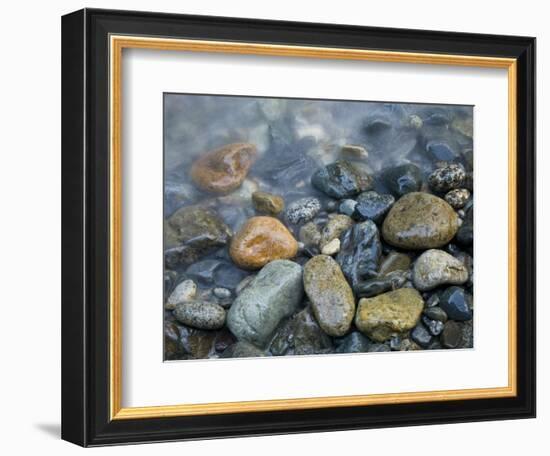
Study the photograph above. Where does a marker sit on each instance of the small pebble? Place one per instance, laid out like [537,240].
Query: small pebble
[221,293]
[347,207]
[457,198]
[332,248]
[183,292]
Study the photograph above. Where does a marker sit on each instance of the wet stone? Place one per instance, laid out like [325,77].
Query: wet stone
[185,291]
[457,198]
[447,178]
[222,293]
[332,248]
[267,203]
[433,326]
[440,151]
[420,220]
[203,271]
[354,152]
[378,285]
[451,337]
[355,342]
[457,304]
[436,267]
[341,179]
[377,348]
[242,349]
[395,261]
[435,313]
[465,234]
[309,234]
[421,335]
[347,207]
[403,179]
[170,278]
[372,206]
[336,225]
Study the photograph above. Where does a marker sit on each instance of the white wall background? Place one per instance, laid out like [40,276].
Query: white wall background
[30,193]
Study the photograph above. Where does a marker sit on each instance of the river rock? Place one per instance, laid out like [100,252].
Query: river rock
[302,210]
[310,235]
[421,335]
[200,314]
[359,254]
[242,349]
[185,291]
[465,234]
[457,198]
[389,313]
[447,178]
[341,179]
[300,335]
[433,326]
[436,267]
[402,179]
[395,261]
[451,337]
[354,152]
[203,271]
[373,206]
[420,220]
[378,285]
[274,294]
[332,248]
[223,170]
[347,207]
[331,297]
[261,240]
[354,342]
[267,203]
[435,313]
[192,232]
[457,303]
[337,224]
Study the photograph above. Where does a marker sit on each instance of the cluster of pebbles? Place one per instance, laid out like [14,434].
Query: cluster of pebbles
[301,250]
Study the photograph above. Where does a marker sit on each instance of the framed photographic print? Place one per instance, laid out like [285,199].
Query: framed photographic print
[277,227]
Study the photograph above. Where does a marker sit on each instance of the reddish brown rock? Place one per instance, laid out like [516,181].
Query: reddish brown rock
[223,170]
[261,240]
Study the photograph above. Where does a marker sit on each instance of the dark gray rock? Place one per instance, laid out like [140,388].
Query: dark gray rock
[341,179]
[433,326]
[440,151]
[354,342]
[451,337]
[456,303]
[360,252]
[402,179]
[421,335]
[372,206]
[435,313]
[347,207]
[242,349]
[465,234]
[378,285]
[375,348]
[203,271]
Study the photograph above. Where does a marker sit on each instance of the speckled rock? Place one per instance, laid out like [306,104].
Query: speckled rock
[331,297]
[420,220]
[337,224]
[395,261]
[185,291]
[457,303]
[200,314]
[433,326]
[360,252]
[457,198]
[302,210]
[223,170]
[300,335]
[261,240]
[267,203]
[447,178]
[436,267]
[191,232]
[242,349]
[274,294]
[310,234]
[402,179]
[389,313]
[373,206]
[341,179]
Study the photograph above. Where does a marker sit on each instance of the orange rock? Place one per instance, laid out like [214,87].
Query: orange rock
[261,240]
[223,170]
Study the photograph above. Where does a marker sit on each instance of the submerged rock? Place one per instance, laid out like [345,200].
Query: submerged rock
[354,152]
[457,303]
[261,240]
[192,232]
[347,207]
[378,285]
[354,342]
[267,203]
[274,294]
[420,220]
[403,179]
[373,206]
[436,267]
[341,179]
[310,235]
[242,349]
[395,261]
[331,297]
[223,170]
[337,224]
[388,314]
[200,314]
[301,335]
[359,254]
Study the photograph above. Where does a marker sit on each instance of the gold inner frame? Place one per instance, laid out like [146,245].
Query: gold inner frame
[117,44]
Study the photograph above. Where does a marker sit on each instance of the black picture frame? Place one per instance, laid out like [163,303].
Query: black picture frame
[85,228]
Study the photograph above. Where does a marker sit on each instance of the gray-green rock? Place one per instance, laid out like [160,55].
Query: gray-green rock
[274,294]
[420,220]
[390,313]
[200,314]
[330,295]
[267,203]
[395,261]
[300,335]
[242,349]
[192,232]
[436,267]
[310,235]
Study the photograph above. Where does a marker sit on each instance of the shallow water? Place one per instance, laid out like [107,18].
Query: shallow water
[293,139]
